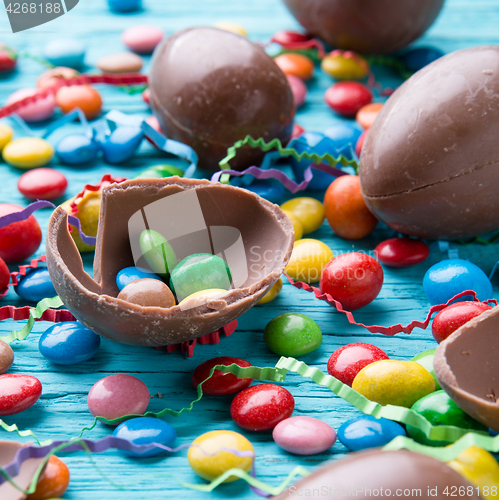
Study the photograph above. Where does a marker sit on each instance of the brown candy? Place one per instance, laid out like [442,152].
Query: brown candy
[211,88]
[367,26]
[429,163]
[372,473]
[147,292]
[122,62]
[264,230]
[467,366]
[6,356]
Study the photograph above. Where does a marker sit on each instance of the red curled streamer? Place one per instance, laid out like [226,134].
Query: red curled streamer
[22,313]
[385,330]
[22,272]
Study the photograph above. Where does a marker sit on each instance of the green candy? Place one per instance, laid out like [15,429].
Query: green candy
[157,252]
[159,172]
[425,359]
[439,409]
[200,271]
[292,335]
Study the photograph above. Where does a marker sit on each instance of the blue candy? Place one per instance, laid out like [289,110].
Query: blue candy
[368,432]
[450,277]
[35,286]
[124,5]
[345,137]
[146,430]
[76,149]
[68,343]
[416,59]
[65,52]
[129,274]
[493,433]
[122,144]
[272,191]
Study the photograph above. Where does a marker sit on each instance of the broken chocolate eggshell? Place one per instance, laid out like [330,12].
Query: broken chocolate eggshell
[467,367]
[211,88]
[254,237]
[429,165]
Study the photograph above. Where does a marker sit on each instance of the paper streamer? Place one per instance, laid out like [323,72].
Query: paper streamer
[301,45]
[22,272]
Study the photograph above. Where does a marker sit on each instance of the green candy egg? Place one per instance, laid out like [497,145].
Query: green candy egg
[293,335]
[439,409]
[425,359]
[157,252]
[197,272]
[159,172]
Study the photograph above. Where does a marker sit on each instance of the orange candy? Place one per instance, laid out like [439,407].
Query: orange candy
[51,77]
[368,113]
[79,96]
[346,210]
[54,482]
[296,64]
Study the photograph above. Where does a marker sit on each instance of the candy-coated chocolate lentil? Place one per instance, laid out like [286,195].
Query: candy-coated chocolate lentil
[18,240]
[122,144]
[345,209]
[231,27]
[425,359]
[159,172]
[367,431]
[297,225]
[54,482]
[197,272]
[360,143]
[367,114]
[6,356]
[142,38]
[309,210]
[122,62]
[5,275]
[402,252]
[416,59]
[308,260]
[272,293]
[304,435]
[202,297]
[68,343]
[6,134]
[41,109]
[52,76]
[293,335]
[347,361]
[261,407]
[269,189]
[65,52]
[118,395]
[448,320]
[146,96]
[346,98]
[35,285]
[8,58]
[146,430]
[129,274]
[42,184]
[345,136]
[124,5]
[157,252]
[210,455]
[354,279]
[450,277]
[84,97]
[399,383]
[220,384]
[285,37]
[296,64]
[297,130]
[28,152]
[147,292]
[298,88]
[77,149]
[18,393]
[345,66]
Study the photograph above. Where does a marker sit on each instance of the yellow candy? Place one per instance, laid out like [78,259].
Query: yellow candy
[272,293]
[88,213]
[6,134]
[309,210]
[308,260]
[231,27]
[297,225]
[28,152]
[200,298]
[208,462]
[481,469]
[399,383]
[345,68]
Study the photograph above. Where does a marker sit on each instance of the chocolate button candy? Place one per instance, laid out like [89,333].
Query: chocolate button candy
[39,110]
[309,210]
[142,38]
[6,356]
[4,275]
[402,252]
[123,62]
[346,98]
[18,393]
[148,292]
[344,66]
[35,286]
[416,59]
[129,274]
[160,171]
[122,144]
[28,152]
[65,52]
[6,134]
[77,149]
[425,359]
[308,260]
[124,5]
[84,97]
[272,293]
[42,184]
[54,482]
[157,252]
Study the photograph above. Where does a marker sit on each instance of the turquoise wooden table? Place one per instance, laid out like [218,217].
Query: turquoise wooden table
[62,410]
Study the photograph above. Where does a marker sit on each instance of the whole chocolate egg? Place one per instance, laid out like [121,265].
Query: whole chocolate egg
[380,473]
[367,26]
[211,88]
[430,163]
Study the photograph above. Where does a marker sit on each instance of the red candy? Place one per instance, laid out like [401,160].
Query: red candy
[297,131]
[360,142]
[261,407]
[346,98]
[18,393]
[286,37]
[4,275]
[42,184]
[402,252]
[146,96]
[220,384]
[18,240]
[353,279]
[448,320]
[8,59]
[347,361]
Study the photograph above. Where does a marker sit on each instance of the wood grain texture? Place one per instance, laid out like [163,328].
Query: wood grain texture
[62,410]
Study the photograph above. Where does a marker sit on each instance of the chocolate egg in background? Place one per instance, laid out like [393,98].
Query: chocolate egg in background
[211,88]
[430,163]
[367,26]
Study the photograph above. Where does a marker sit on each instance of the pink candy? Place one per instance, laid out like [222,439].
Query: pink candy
[298,88]
[142,38]
[37,111]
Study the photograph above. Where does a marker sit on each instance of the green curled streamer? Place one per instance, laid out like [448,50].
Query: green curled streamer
[28,433]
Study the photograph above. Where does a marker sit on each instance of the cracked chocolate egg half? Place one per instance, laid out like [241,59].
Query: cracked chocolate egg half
[467,367]
[253,236]
[430,163]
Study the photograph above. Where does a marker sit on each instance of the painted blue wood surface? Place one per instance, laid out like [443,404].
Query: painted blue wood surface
[62,410]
